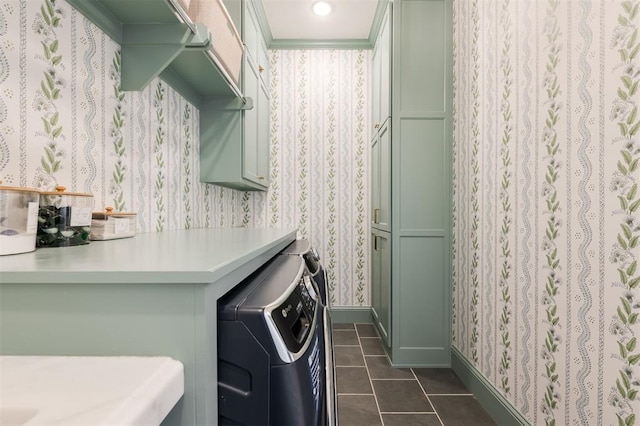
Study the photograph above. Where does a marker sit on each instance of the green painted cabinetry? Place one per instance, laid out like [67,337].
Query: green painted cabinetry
[381,282]
[256,127]
[381,178]
[420,186]
[256,137]
[381,141]
[254,39]
[158,38]
[381,73]
[234,144]
[152,295]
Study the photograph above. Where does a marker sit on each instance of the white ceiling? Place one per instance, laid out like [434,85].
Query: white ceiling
[294,19]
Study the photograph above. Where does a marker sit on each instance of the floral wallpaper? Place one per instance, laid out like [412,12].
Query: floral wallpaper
[64,120]
[319,162]
[546,224]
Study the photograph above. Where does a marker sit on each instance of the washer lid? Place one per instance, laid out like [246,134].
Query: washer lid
[268,286]
[298,247]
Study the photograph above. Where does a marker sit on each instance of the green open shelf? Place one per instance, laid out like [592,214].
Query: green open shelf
[157,38]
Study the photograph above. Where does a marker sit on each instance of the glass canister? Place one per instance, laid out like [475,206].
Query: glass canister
[18,219]
[64,218]
[111,225]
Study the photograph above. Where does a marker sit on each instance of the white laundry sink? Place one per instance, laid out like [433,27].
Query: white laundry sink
[11,416]
[85,391]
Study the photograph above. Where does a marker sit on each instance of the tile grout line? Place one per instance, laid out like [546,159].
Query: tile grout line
[396,379]
[356,394]
[375,397]
[427,396]
[451,394]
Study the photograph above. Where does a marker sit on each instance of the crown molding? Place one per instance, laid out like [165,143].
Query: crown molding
[299,44]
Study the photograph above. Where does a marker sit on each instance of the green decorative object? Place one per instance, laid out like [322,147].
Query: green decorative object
[64,219]
[54,228]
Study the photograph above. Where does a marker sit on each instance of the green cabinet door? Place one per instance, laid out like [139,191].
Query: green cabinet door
[381,178]
[421,183]
[375,88]
[381,73]
[264,137]
[256,127]
[381,143]
[384,47]
[263,63]
[381,283]
[256,120]
[251,33]
[375,180]
[250,126]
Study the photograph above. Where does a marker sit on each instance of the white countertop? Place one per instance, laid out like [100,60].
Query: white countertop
[85,391]
[201,255]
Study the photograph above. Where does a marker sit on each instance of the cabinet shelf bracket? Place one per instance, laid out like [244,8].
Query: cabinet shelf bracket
[147,49]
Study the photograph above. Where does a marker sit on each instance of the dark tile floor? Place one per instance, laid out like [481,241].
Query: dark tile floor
[371,392]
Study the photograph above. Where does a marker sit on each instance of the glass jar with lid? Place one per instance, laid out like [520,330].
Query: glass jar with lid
[64,218]
[18,219]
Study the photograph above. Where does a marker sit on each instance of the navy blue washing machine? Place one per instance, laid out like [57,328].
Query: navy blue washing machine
[302,247]
[271,349]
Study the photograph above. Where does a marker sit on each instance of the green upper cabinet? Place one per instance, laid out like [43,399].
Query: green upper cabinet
[381,140]
[254,41]
[245,14]
[256,127]
[234,145]
[381,73]
[160,38]
[256,72]
[251,34]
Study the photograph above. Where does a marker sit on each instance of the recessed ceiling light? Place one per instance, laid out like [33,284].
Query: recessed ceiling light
[321,8]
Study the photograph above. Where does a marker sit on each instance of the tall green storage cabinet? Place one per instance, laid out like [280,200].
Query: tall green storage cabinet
[381,179]
[418,246]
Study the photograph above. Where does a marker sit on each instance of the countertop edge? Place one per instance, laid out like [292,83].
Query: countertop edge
[207,274]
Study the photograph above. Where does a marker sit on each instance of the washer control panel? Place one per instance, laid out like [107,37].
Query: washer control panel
[294,317]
